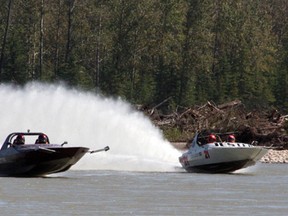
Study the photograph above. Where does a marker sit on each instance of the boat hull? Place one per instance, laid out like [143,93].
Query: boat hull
[224,167]
[27,162]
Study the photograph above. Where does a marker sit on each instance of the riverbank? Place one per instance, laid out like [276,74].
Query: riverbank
[275,156]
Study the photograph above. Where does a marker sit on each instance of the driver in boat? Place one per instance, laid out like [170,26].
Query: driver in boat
[20,140]
[42,139]
[211,138]
[231,138]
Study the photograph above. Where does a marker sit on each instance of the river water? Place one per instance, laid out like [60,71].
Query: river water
[259,190]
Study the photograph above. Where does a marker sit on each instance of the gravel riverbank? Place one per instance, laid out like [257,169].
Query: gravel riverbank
[275,156]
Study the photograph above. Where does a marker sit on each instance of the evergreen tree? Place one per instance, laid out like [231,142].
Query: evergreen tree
[147,51]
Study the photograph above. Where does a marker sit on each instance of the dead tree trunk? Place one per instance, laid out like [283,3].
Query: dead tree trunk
[69,29]
[41,39]
[9,10]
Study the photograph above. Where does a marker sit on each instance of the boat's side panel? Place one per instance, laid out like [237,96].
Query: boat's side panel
[221,155]
[38,162]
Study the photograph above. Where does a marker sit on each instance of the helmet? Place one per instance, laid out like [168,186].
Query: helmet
[231,138]
[42,138]
[212,138]
[20,139]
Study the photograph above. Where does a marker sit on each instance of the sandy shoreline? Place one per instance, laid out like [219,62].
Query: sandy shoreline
[272,156]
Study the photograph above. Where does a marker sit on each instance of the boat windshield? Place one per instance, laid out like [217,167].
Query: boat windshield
[22,138]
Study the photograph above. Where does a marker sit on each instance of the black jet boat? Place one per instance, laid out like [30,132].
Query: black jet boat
[37,159]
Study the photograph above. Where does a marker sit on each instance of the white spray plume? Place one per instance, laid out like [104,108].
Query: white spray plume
[89,120]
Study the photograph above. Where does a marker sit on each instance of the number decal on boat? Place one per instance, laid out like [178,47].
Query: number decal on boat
[206,153]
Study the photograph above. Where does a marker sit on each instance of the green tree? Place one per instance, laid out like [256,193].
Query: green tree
[279,14]
[169,39]
[147,51]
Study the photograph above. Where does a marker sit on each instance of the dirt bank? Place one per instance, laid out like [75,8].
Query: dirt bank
[267,127]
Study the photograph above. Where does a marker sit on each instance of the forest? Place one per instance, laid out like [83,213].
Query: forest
[182,52]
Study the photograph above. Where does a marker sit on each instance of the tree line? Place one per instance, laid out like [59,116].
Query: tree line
[184,52]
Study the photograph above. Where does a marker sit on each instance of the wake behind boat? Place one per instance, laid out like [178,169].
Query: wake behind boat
[217,156]
[37,158]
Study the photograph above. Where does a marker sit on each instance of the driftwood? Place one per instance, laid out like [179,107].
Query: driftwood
[268,128]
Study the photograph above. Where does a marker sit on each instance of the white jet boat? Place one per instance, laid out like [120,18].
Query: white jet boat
[219,156]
